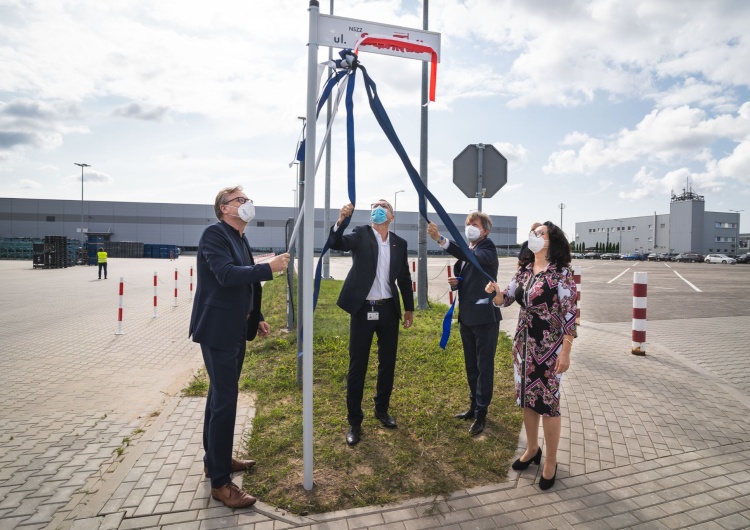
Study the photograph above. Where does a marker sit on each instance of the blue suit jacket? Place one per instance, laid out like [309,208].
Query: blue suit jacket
[364,247]
[226,308]
[471,287]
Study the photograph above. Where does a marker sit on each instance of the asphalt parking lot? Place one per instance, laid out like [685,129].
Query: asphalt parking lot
[675,290]
[95,434]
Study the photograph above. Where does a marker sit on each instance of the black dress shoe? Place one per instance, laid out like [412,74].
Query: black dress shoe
[520,465]
[388,421]
[547,483]
[352,437]
[467,415]
[477,427]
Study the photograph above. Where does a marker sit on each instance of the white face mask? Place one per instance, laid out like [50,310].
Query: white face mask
[246,211]
[536,243]
[472,233]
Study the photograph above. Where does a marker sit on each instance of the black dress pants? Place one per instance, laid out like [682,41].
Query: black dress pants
[361,331]
[224,368]
[480,343]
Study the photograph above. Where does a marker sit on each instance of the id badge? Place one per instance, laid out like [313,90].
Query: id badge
[373,315]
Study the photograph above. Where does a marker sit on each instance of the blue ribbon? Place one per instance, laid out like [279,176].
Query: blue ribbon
[351,181]
[447,321]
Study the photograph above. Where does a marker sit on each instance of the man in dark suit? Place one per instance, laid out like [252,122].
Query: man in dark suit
[478,318]
[226,314]
[370,295]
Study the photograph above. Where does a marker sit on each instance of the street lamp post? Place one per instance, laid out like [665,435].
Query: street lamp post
[562,207]
[81,166]
[395,196]
[737,239]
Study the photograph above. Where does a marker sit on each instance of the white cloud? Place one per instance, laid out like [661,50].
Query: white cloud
[664,135]
[27,123]
[565,53]
[28,184]
[91,176]
[140,112]
[516,153]
[737,164]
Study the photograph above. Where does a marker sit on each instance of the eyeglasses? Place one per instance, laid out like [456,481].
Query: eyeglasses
[376,204]
[538,232]
[241,200]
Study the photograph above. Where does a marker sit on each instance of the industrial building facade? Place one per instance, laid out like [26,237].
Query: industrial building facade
[183,224]
[686,228]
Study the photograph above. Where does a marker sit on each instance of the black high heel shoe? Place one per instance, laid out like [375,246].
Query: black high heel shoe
[547,483]
[520,465]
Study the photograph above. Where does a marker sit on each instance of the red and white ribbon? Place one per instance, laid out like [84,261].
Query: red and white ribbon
[401,45]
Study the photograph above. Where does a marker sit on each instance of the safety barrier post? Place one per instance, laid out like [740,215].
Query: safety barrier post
[450,292]
[640,284]
[175,287]
[191,282]
[119,310]
[155,297]
[414,270]
[577,279]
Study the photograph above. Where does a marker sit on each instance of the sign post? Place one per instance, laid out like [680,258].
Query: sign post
[337,32]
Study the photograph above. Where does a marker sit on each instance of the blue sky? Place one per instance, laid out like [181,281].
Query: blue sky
[601,105]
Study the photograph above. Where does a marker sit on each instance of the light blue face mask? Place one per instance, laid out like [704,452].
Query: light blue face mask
[378,215]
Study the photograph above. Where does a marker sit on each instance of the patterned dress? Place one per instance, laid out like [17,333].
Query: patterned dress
[548,312]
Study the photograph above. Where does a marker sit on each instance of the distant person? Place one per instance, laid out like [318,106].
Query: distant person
[526,256]
[226,314]
[371,296]
[478,319]
[102,259]
[546,292]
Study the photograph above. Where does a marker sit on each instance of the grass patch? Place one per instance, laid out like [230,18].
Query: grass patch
[198,385]
[431,453]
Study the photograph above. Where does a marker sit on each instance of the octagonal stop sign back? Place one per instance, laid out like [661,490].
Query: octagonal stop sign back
[468,173]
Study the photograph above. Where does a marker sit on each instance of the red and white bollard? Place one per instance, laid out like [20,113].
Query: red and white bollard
[640,284]
[450,292]
[191,283]
[175,288]
[577,279]
[414,271]
[119,310]
[156,279]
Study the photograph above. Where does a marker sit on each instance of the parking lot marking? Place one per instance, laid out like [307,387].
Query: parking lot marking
[667,265]
[687,282]
[623,272]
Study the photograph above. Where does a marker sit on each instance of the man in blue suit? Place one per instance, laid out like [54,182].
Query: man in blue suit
[370,295]
[226,314]
[478,318]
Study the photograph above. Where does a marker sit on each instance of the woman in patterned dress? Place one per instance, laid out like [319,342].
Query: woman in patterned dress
[546,291]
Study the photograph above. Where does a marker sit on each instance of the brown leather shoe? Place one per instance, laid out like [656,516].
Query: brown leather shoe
[237,465]
[241,465]
[232,496]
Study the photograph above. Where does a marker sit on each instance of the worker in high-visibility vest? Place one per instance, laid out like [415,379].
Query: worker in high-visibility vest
[102,263]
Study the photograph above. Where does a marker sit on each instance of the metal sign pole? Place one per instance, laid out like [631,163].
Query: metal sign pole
[307,265]
[480,184]
[423,164]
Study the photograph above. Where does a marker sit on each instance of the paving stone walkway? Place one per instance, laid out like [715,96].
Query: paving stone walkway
[94,434]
